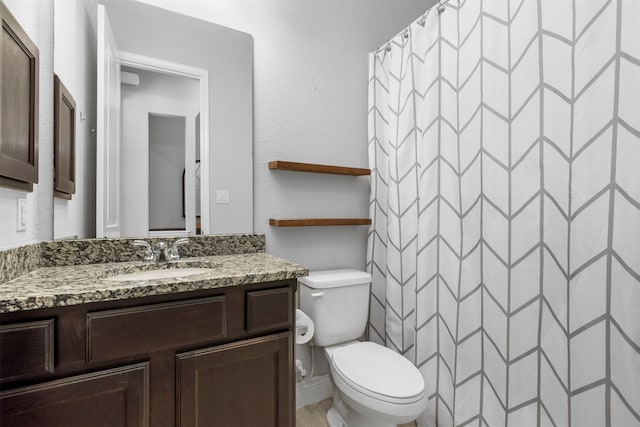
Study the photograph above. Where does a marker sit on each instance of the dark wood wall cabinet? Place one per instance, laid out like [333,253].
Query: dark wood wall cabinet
[221,357]
[19,70]
[64,141]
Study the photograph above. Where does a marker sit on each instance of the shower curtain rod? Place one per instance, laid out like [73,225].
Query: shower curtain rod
[441,5]
[421,20]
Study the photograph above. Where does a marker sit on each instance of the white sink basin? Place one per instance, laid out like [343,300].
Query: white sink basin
[159,274]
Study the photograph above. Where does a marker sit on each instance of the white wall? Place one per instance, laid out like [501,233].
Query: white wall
[310,105]
[36,17]
[74,63]
[158,94]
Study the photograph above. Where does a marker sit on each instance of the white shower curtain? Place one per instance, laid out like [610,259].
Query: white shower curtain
[504,143]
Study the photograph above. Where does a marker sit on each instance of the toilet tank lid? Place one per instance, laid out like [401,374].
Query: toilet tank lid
[335,278]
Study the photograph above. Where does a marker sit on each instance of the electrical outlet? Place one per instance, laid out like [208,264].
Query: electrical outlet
[222,196]
[22,215]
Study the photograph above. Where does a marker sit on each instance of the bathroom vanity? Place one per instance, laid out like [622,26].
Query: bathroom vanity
[212,349]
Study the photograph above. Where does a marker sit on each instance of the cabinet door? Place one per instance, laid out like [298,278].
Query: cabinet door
[18,105]
[64,141]
[111,398]
[249,383]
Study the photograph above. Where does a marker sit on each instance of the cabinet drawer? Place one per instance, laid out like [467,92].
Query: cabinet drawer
[127,332]
[26,350]
[269,309]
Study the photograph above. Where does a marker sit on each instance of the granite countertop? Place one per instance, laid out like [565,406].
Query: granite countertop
[79,284]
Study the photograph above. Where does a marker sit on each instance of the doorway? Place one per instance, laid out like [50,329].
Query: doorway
[159,115]
[167,142]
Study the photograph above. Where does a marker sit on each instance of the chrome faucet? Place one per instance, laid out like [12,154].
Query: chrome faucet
[162,252]
[173,253]
[149,255]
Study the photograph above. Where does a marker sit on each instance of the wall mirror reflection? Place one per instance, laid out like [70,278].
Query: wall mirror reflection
[147,107]
[173,125]
[160,148]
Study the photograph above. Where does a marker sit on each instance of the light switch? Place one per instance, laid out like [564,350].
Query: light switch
[22,215]
[222,196]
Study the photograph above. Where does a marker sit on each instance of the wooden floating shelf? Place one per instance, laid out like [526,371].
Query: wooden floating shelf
[316,222]
[315,168]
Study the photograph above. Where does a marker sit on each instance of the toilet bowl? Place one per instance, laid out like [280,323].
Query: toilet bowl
[379,386]
[373,385]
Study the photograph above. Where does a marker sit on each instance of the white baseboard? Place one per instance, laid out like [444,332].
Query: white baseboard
[313,390]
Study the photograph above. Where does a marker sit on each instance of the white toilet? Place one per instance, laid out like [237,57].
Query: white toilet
[373,385]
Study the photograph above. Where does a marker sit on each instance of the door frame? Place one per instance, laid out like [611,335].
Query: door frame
[173,68]
[108,129]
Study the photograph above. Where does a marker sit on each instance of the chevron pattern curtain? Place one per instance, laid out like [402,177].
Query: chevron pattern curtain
[504,140]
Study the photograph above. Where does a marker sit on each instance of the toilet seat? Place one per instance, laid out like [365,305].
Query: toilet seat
[378,372]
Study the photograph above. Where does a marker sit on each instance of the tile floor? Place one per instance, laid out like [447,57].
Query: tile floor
[315,415]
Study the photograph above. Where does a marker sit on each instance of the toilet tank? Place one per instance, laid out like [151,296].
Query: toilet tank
[338,303]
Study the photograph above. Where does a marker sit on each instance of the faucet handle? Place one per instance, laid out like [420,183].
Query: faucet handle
[148,255]
[181,241]
[175,254]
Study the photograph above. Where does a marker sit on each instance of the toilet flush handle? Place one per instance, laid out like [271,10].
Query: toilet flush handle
[317,294]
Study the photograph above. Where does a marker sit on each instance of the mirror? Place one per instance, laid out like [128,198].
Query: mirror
[130,193]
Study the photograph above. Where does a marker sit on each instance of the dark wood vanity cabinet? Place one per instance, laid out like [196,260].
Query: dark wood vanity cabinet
[220,357]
